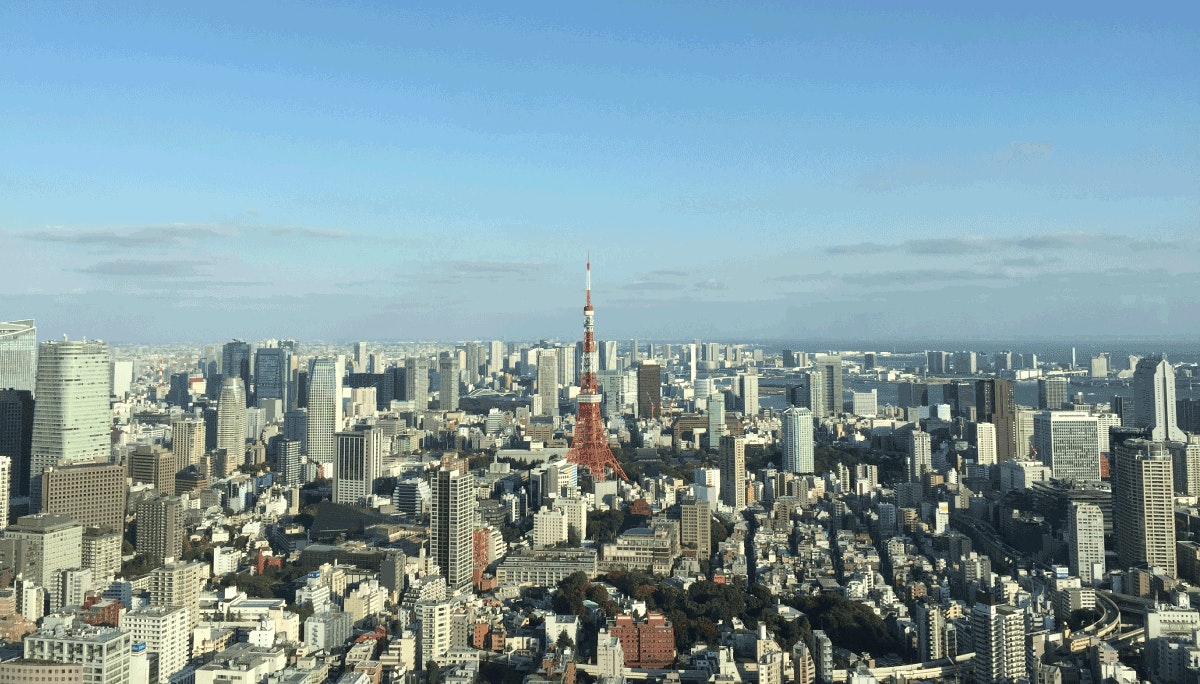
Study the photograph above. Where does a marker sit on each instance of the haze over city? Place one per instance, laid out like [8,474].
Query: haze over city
[758,170]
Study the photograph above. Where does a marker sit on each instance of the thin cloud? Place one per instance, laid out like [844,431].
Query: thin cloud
[156,268]
[1027,149]
[967,245]
[168,235]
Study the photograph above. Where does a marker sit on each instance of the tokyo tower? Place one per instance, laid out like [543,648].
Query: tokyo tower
[589,448]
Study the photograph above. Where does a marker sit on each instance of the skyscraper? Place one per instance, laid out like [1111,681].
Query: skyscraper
[695,527]
[235,363]
[749,392]
[1052,393]
[359,463]
[797,436]
[1154,399]
[160,527]
[1068,442]
[71,420]
[649,390]
[1085,528]
[16,435]
[985,444]
[1143,501]
[716,420]
[5,488]
[831,372]
[289,460]
[273,374]
[547,381]
[999,635]
[495,357]
[153,465]
[448,376]
[325,407]
[18,353]
[231,424]
[733,472]
[187,442]
[920,455]
[416,382]
[451,520]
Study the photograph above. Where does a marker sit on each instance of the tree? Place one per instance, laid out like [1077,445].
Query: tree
[431,672]
[565,640]
[603,526]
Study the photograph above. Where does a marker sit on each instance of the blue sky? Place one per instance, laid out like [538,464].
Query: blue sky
[738,170]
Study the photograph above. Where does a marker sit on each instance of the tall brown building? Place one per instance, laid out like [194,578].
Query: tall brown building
[160,527]
[649,390]
[153,465]
[93,494]
[695,528]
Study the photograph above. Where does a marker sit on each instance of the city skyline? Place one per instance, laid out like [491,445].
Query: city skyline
[813,172]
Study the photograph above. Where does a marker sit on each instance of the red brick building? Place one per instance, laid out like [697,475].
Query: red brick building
[649,643]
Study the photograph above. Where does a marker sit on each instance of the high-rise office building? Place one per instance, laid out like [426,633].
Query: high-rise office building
[1052,393]
[999,636]
[451,520]
[358,464]
[165,633]
[290,460]
[360,357]
[160,527]
[985,444]
[920,455]
[235,363]
[1143,501]
[649,390]
[273,374]
[71,421]
[966,363]
[496,354]
[810,392]
[153,465]
[749,393]
[937,362]
[448,377]
[1085,530]
[5,489]
[416,382]
[53,544]
[179,584]
[733,471]
[609,360]
[1154,399]
[567,363]
[231,424]
[18,355]
[91,494]
[547,381]
[931,625]
[797,437]
[16,435]
[1068,442]
[187,442]
[695,527]
[324,407]
[831,377]
[1099,365]
[716,420]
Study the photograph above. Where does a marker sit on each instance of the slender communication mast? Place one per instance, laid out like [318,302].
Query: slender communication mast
[589,448]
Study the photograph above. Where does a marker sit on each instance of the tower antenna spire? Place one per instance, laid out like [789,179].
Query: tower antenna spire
[589,446]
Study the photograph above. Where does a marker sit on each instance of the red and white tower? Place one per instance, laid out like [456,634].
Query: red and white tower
[589,448]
